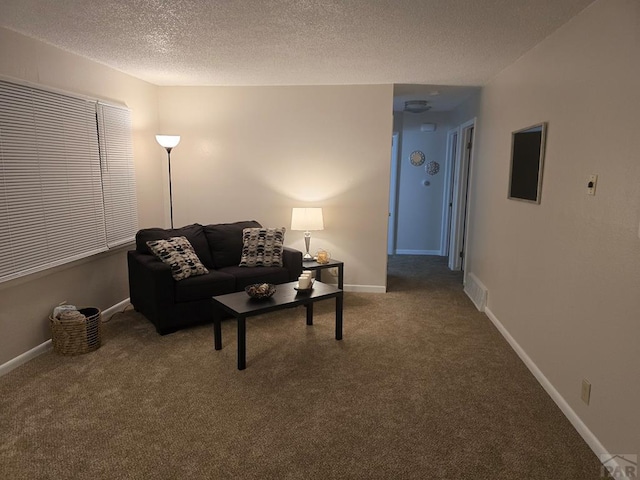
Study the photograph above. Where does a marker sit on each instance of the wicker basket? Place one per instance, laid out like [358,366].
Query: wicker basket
[75,337]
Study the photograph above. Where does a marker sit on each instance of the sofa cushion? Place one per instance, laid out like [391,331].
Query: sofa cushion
[225,242]
[262,247]
[194,233]
[178,253]
[246,276]
[204,287]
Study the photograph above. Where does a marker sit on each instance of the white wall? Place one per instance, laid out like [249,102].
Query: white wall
[467,110]
[564,276]
[101,280]
[256,152]
[245,153]
[420,207]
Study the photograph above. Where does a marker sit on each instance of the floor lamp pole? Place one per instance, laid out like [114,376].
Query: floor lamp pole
[170,193]
[168,142]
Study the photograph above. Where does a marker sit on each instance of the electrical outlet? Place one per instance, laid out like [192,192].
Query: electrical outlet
[591,184]
[586,391]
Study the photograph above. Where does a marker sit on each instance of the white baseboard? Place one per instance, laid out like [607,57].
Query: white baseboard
[46,346]
[360,288]
[612,461]
[365,288]
[418,252]
[25,357]
[115,308]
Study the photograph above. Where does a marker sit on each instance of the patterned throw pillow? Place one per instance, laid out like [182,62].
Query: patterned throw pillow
[178,253]
[262,247]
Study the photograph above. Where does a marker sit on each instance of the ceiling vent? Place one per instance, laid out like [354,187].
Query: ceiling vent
[416,106]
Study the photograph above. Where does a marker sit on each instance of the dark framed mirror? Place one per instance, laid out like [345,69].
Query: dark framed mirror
[527,161]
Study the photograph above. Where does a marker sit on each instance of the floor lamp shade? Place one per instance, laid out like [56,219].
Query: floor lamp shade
[168,142]
[307,219]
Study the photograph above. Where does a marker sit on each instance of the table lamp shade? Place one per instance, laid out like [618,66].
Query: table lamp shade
[307,219]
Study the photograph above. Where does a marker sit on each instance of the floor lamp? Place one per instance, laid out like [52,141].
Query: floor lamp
[168,142]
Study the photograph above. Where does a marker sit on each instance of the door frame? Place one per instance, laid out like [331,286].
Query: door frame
[392,222]
[453,144]
[463,175]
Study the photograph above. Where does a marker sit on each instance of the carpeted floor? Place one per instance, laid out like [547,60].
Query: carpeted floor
[421,387]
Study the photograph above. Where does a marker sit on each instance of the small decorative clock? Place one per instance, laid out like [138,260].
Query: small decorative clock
[416,158]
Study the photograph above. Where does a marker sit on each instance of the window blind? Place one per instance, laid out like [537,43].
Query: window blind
[54,188]
[118,175]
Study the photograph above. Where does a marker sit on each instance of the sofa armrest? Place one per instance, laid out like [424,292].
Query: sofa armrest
[151,285]
[292,261]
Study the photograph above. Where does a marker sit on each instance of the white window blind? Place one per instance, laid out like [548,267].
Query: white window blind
[118,175]
[52,207]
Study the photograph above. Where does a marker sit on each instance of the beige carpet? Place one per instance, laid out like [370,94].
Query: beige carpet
[421,387]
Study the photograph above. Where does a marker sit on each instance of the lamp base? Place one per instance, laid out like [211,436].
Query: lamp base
[307,240]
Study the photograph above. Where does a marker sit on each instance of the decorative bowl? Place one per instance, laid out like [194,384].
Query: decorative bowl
[260,291]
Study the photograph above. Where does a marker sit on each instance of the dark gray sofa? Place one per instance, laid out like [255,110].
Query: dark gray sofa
[170,304]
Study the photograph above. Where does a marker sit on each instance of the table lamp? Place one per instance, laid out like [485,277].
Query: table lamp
[307,219]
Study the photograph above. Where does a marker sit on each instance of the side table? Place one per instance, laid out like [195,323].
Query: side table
[318,267]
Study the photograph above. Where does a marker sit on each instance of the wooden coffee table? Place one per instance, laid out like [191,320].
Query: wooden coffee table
[241,306]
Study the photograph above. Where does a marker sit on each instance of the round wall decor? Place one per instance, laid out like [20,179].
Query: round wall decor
[432,167]
[416,158]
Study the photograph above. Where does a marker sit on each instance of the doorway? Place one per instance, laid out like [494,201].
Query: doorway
[459,151]
[461,181]
[447,207]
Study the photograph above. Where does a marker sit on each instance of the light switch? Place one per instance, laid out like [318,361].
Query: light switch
[591,184]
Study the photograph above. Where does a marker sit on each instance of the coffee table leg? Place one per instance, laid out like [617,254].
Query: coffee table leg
[242,343]
[309,307]
[339,317]
[217,333]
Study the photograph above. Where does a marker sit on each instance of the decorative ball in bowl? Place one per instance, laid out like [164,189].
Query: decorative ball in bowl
[260,291]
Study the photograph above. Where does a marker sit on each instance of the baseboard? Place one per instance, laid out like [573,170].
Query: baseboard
[46,346]
[612,462]
[25,357]
[115,309]
[365,288]
[418,252]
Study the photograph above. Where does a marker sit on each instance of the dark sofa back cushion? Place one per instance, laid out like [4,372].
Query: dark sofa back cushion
[225,242]
[194,233]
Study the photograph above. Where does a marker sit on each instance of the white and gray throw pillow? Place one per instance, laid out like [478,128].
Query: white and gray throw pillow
[262,247]
[179,254]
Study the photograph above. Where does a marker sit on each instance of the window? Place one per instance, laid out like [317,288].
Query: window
[67,188]
[118,176]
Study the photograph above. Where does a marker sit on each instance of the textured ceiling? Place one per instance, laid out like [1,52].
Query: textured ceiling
[295,42]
